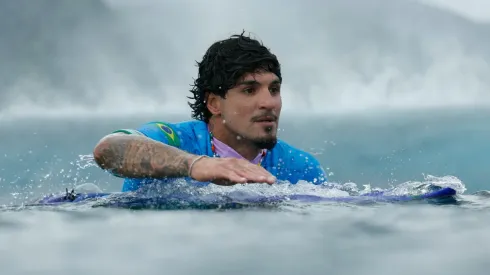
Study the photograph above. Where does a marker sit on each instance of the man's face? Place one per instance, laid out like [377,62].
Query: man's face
[252,108]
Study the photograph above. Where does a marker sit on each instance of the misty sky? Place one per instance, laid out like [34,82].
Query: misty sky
[474,9]
[337,55]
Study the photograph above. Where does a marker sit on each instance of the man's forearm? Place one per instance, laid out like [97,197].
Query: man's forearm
[135,156]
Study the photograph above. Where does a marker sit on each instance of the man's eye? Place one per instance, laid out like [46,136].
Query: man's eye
[274,90]
[248,90]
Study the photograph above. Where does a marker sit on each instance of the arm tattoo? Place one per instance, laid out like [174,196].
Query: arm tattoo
[140,157]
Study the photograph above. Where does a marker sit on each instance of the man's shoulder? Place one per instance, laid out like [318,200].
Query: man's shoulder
[298,164]
[177,125]
[165,126]
[168,132]
[293,154]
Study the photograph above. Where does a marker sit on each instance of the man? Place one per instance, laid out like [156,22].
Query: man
[233,139]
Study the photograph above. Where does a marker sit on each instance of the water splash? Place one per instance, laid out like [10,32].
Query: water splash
[338,190]
[87,188]
[84,162]
[77,178]
[417,187]
[52,178]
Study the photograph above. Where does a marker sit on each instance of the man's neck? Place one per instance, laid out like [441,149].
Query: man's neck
[243,147]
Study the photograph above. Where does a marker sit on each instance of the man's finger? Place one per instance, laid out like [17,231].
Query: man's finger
[255,176]
[236,177]
[265,175]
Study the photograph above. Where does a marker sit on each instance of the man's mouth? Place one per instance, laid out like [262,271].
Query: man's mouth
[269,119]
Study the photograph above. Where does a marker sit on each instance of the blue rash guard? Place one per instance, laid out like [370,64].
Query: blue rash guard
[284,161]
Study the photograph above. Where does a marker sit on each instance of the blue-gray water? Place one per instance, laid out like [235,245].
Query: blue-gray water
[72,58]
[41,156]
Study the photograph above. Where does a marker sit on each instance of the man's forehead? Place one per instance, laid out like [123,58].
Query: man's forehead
[260,77]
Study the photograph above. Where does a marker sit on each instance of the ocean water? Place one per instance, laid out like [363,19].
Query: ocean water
[378,151]
[73,71]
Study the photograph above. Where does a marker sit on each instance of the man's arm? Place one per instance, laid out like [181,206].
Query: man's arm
[137,156]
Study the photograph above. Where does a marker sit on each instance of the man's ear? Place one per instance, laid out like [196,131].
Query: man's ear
[213,103]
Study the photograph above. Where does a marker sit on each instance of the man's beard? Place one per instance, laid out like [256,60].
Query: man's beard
[265,142]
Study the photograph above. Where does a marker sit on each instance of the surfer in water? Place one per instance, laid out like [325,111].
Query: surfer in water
[236,106]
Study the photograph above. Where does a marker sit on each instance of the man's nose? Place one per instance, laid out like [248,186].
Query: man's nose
[268,100]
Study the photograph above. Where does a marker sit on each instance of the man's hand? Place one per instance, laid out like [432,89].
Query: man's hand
[229,171]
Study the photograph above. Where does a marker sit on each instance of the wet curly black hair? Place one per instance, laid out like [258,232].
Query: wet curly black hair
[222,66]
